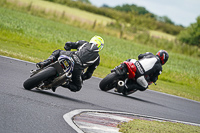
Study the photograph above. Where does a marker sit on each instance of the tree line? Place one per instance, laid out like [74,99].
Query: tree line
[136,15]
[140,18]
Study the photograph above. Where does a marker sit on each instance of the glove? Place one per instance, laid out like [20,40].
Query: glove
[67,46]
[140,56]
[153,79]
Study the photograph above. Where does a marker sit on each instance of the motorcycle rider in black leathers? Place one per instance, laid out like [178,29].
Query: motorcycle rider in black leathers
[149,67]
[86,56]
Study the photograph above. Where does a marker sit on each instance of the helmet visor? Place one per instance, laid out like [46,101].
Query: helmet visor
[98,41]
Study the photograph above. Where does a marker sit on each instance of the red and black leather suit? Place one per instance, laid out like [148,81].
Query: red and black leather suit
[148,68]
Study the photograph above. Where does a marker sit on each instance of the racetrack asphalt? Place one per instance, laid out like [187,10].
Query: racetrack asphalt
[33,111]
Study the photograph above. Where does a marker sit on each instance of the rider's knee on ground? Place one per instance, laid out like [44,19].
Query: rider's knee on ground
[74,88]
[132,86]
[142,89]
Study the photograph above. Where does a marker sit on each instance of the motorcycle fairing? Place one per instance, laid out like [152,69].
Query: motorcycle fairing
[131,69]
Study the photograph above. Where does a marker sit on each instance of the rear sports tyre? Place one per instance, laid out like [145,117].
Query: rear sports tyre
[109,82]
[36,79]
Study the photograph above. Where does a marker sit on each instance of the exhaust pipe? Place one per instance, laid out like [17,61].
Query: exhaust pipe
[58,81]
[120,86]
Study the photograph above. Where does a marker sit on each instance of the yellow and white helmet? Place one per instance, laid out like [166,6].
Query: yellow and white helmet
[98,41]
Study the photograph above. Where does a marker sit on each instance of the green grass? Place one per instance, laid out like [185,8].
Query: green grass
[60,10]
[104,25]
[162,35]
[144,126]
[34,38]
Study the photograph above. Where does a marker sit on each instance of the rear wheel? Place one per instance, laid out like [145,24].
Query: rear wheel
[35,80]
[109,82]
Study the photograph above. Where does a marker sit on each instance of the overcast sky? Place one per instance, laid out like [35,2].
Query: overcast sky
[182,12]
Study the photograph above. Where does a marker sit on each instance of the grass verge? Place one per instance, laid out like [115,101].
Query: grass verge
[145,126]
[34,38]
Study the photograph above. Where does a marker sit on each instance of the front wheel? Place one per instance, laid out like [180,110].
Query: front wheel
[35,80]
[109,82]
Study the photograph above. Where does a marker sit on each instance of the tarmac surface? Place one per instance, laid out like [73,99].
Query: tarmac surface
[89,110]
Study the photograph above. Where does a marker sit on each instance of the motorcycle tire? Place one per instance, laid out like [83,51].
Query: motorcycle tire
[36,79]
[106,84]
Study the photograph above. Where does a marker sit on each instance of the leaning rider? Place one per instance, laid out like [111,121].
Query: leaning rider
[149,67]
[86,56]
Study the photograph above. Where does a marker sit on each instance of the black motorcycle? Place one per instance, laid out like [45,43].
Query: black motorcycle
[51,76]
[118,78]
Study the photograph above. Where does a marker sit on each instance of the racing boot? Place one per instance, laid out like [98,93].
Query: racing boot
[45,62]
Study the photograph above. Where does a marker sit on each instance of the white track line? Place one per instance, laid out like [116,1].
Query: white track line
[69,116]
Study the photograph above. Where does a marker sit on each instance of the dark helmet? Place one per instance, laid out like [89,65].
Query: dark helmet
[163,55]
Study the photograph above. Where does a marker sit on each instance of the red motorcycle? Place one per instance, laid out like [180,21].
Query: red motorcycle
[119,76]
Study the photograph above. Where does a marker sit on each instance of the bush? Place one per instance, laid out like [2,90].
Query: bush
[191,35]
[133,17]
[173,45]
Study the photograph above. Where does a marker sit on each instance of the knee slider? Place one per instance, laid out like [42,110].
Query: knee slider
[74,88]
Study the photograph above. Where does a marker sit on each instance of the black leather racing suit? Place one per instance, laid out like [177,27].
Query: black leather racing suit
[148,65]
[86,56]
